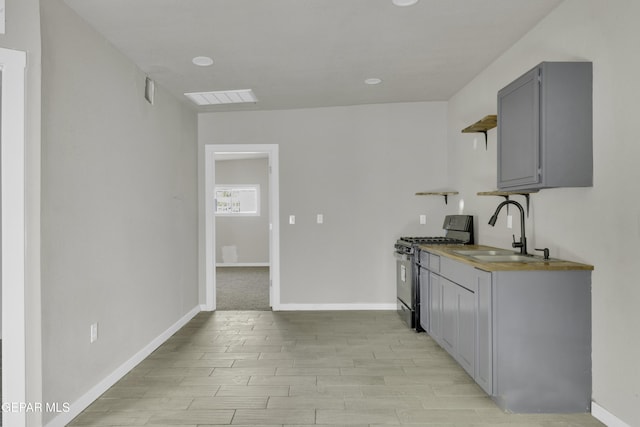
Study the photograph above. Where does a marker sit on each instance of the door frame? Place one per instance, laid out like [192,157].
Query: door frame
[12,141]
[210,224]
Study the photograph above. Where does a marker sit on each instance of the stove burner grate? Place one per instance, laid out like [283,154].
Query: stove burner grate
[430,240]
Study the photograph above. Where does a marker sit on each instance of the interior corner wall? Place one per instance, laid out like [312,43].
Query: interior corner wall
[598,225]
[359,166]
[22,32]
[248,234]
[119,208]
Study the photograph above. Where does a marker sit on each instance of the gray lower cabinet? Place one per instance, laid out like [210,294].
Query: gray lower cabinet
[423,303]
[452,317]
[484,350]
[541,328]
[449,316]
[524,336]
[466,345]
[459,324]
[435,304]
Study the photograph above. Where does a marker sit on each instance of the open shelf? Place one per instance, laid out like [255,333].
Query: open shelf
[445,194]
[482,126]
[507,194]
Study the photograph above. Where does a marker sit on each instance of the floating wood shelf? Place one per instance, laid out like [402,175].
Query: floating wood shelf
[507,194]
[445,194]
[482,126]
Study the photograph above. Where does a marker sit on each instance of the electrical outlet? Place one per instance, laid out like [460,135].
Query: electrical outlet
[423,219]
[94,332]
[320,218]
[509,221]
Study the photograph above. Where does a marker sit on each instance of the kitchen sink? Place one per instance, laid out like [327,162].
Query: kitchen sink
[482,252]
[510,258]
[500,255]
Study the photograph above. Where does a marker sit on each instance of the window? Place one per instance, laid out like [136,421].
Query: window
[237,200]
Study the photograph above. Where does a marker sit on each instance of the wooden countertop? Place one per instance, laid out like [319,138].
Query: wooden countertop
[553,264]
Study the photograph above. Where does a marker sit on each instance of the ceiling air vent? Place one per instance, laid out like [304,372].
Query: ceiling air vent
[222,97]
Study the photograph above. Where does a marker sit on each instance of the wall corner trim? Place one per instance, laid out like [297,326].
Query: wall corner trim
[333,307]
[606,417]
[96,391]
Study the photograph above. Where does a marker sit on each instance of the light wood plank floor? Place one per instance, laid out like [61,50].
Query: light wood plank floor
[293,369]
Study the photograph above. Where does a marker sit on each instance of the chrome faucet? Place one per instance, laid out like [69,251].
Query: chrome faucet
[522,244]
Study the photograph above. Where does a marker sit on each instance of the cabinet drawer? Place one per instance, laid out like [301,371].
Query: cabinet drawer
[434,263]
[459,273]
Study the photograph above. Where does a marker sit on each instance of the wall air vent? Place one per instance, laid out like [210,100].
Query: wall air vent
[222,97]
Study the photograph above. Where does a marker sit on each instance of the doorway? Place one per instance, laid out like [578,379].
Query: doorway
[12,230]
[223,254]
[242,231]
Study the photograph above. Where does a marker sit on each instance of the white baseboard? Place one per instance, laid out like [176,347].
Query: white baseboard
[333,307]
[84,401]
[606,417]
[242,264]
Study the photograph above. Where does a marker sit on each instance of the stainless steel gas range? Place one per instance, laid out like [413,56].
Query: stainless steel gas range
[458,231]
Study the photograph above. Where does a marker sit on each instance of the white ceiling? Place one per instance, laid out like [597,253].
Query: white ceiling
[314,53]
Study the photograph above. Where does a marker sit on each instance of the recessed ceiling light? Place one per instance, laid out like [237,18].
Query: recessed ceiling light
[404,2]
[222,97]
[373,81]
[202,61]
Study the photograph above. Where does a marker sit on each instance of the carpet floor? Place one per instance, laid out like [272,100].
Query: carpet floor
[242,288]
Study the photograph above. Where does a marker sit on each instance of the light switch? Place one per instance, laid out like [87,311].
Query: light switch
[509,221]
[423,219]
[94,333]
[320,218]
[292,219]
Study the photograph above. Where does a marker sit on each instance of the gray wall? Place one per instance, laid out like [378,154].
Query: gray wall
[360,167]
[250,234]
[604,32]
[118,208]
[23,33]
[599,225]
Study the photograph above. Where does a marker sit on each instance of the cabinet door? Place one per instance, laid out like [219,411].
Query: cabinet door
[449,316]
[459,324]
[466,344]
[423,302]
[484,349]
[519,132]
[435,306]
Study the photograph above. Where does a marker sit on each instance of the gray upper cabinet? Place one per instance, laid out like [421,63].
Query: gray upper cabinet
[545,128]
